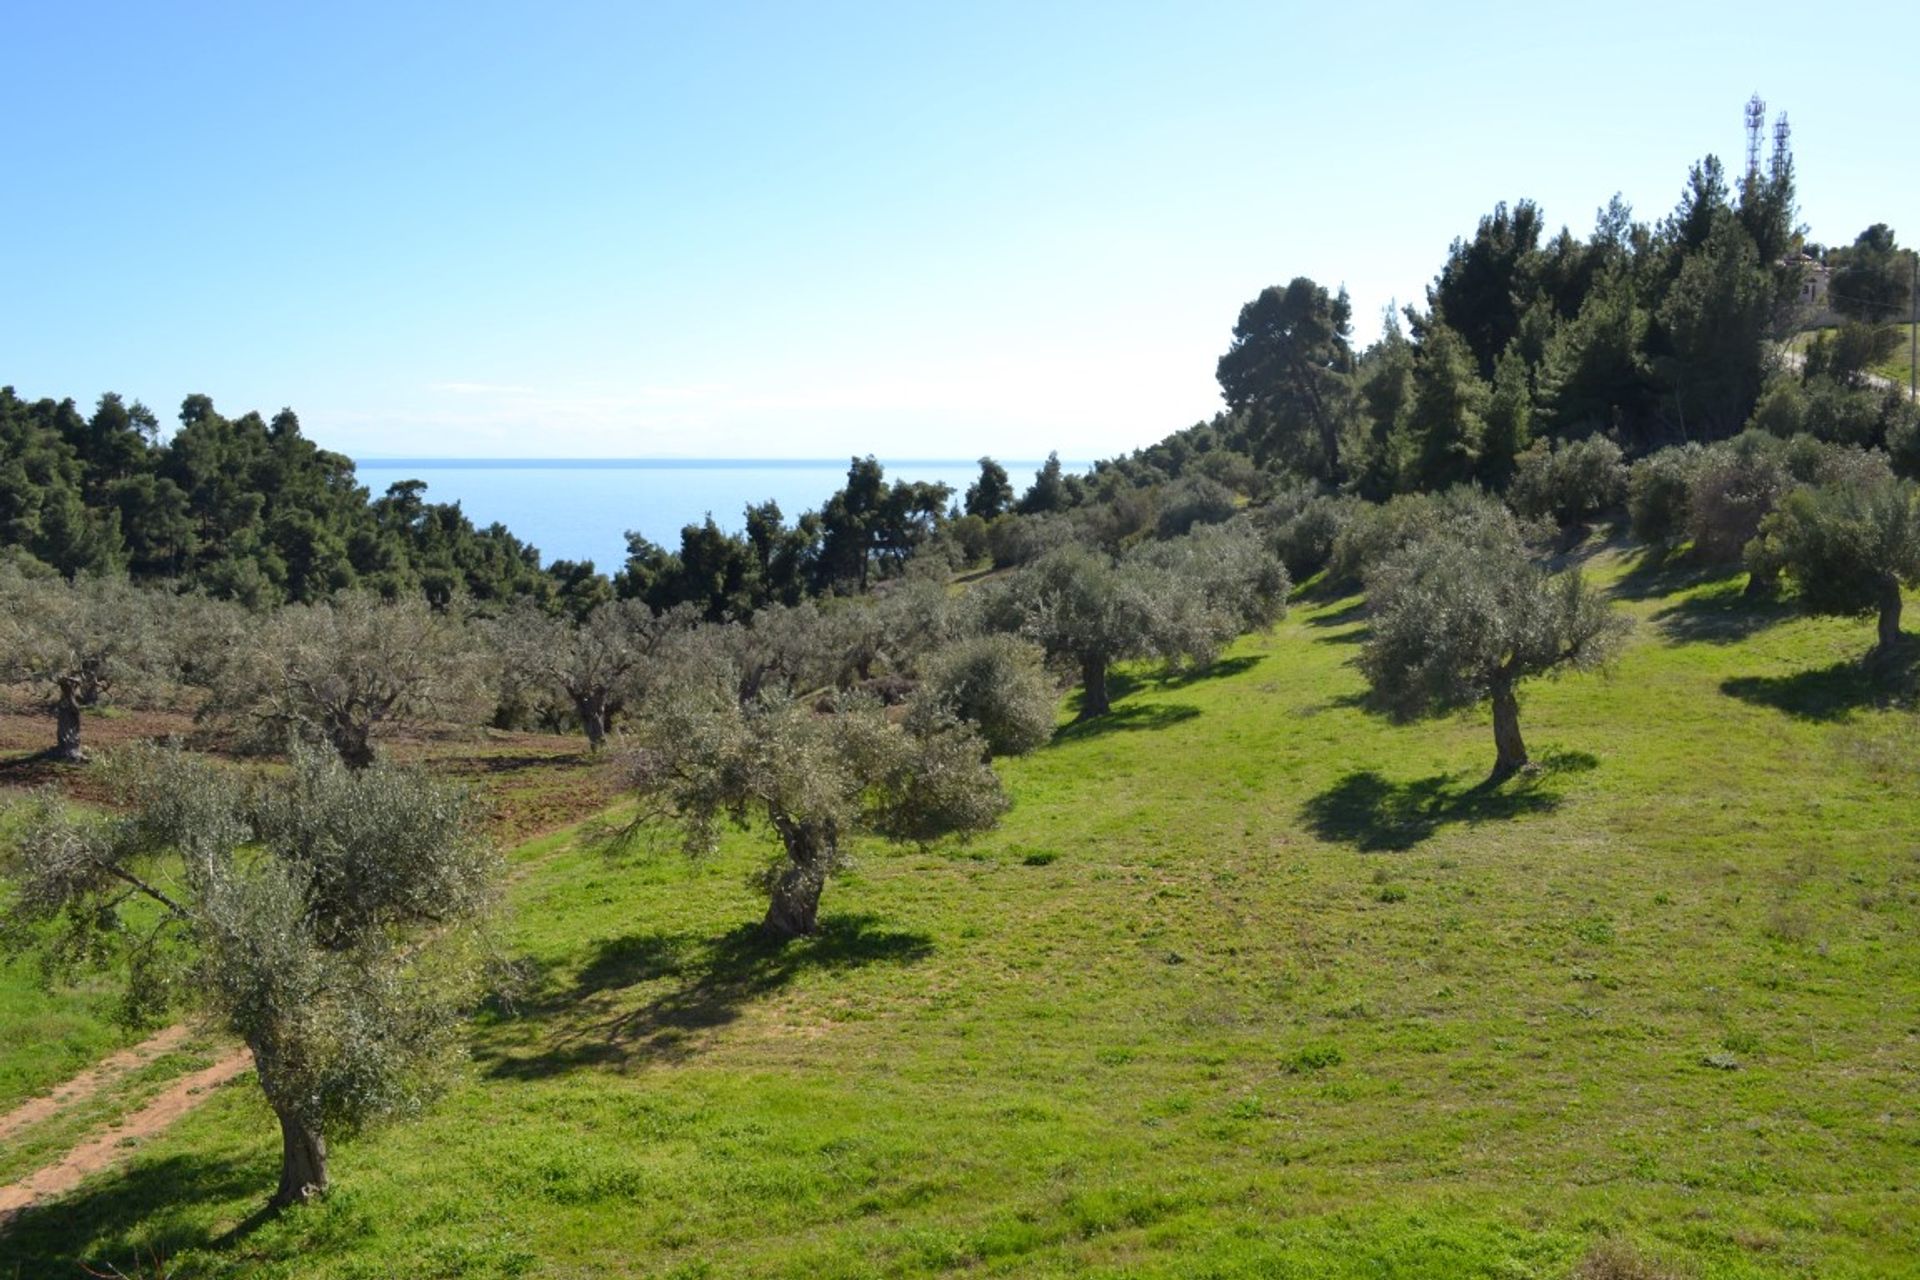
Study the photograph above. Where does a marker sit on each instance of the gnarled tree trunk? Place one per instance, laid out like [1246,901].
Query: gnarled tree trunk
[1510,750]
[794,909]
[66,741]
[1889,617]
[1093,688]
[592,710]
[303,1161]
[353,742]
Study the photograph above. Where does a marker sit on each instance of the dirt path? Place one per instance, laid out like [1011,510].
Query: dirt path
[108,1146]
[91,1081]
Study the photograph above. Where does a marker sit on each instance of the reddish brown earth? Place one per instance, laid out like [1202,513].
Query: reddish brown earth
[111,1144]
[529,783]
[90,1081]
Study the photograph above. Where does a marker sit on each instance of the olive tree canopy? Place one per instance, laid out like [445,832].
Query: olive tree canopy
[327,917]
[1850,546]
[996,683]
[1456,623]
[815,779]
[1182,601]
[82,640]
[598,664]
[347,671]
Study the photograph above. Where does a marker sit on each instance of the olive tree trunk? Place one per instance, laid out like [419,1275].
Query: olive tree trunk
[303,1161]
[1093,688]
[1763,581]
[592,710]
[1889,616]
[1510,750]
[794,908]
[353,742]
[66,727]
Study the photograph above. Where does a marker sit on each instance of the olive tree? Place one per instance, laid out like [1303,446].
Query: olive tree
[1850,547]
[82,641]
[785,649]
[1456,623]
[327,917]
[598,664]
[815,779]
[889,629]
[347,671]
[1372,532]
[1082,607]
[1236,580]
[996,683]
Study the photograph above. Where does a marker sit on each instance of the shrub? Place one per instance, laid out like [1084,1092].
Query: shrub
[969,534]
[1851,546]
[1659,491]
[1781,410]
[1903,441]
[1373,532]
[1302,526]
[1016,540]
[1737,483]
[1568,481]
[1194,500]
[996,683]
[1120,518]
[1234,470]
[1846,414]
[1238,579]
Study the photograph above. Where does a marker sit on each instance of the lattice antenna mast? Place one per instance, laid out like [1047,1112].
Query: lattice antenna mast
[1756,125]
[1782,139]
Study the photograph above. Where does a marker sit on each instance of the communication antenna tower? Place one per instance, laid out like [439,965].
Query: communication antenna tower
[1782,137]
[1756,125]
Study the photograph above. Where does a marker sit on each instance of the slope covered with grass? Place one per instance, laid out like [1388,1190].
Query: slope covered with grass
[1250,982]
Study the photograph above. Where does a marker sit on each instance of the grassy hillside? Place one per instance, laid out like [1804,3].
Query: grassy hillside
[1250,982]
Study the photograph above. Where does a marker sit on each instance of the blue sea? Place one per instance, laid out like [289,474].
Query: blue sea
[581,508]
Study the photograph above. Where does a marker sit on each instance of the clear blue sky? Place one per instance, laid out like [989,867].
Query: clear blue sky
[806,230]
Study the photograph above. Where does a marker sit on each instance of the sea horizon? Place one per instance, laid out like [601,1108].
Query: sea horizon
[642,462]
[583,508]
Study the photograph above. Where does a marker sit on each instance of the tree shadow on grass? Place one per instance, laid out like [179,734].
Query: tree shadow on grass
[501,762]
[1375,814]
[1353,612]
[713,981]
[1835,692]
[1720,617]
[1128,719]
[1218,670]
[133,1215]
[36,769]
[1662,573]
[1359,635]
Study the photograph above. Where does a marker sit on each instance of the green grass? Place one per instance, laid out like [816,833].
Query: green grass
[1251,982]
[1896,368]
[49,1035]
